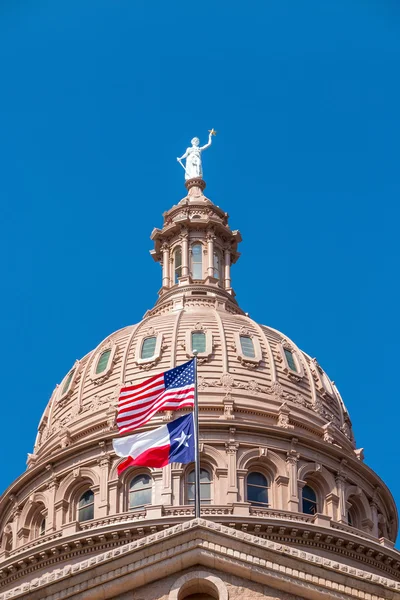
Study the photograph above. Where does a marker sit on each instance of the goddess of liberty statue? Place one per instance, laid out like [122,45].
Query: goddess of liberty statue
[193,168]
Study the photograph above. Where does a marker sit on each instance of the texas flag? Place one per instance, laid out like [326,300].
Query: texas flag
[173,442]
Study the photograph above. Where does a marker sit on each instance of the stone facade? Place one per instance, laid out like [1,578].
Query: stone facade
[70,527]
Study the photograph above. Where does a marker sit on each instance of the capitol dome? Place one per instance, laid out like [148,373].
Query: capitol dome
[278,455]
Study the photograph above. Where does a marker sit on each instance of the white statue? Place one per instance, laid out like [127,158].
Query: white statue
[193,157]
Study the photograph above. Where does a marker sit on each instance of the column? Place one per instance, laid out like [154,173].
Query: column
[374,512]
[291,467]
[165,264]
[166,491]
[177,474]
[227,257]
[185,253]
[52,488]
[210,252]
[340,486]
[104,464]
[232,490]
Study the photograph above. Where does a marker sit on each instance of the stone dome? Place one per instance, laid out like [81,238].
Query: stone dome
[265,408]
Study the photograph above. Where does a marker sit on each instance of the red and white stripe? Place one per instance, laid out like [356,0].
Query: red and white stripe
[139,403]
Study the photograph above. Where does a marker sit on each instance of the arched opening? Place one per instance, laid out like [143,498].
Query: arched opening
[205,486]
[140,491]
[309,500]
[197,261]
[86,506]
[257,489]
[177,264]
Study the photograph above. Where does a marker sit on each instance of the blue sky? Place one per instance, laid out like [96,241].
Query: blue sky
[99,97]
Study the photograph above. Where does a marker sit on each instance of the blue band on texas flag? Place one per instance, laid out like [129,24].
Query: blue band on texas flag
[173,442]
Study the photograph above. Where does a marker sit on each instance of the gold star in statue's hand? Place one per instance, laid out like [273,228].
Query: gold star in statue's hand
[212,131]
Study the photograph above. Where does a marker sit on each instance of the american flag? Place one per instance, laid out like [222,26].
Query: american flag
[170,390]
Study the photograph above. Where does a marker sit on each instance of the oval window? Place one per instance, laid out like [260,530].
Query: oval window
[68,381]
[247,346]
[102,363]
[198,341]
[290,360]
[148,347]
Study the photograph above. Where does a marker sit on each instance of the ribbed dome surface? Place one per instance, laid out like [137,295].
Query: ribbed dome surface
[228,383]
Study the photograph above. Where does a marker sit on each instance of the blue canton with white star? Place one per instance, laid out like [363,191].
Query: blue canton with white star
[180,376]
[181,435]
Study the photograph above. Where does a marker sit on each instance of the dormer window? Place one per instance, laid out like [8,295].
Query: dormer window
[148,347]
[197,261]
[246,343]
[290,360]
[177,264]
[67,383]
[198,341]
[102,363]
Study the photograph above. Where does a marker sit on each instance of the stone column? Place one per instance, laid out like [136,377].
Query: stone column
[165,275]
[210,252]
[227,277]
[166,491]
[340,486]
[176,475]
[291,467]
[374,513]
[232,490]
[103,504]
[241,475]
[185,253]
[52,488]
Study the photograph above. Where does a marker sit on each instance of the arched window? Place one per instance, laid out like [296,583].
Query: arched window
[102,363]
[198,341]
[257,489]
[290,360]
[67,382]
[148,347]
[140,491]
[177,263]
[217,265]
[205,486]
[351,517]
[309,500]
[9,542]
[42,527]
[197,261]
[86,507]
[247,346]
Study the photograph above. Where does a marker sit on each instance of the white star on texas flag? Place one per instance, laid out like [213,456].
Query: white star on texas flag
[182,439]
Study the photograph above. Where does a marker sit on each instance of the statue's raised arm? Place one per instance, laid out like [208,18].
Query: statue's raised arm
[193,168]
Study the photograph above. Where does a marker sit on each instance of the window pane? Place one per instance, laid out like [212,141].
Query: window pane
[197,261]
[140,498]
[191,477]
[140,481]
[217,265]
[86,498]
[257,495]
[148,347]
[290,360]
[42,528]
[309,500]
[178,263]
[247,346]
[198,342]
[86,513]
[103,361]
[257,479]
[67,382]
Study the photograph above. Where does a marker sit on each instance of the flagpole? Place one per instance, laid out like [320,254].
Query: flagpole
[196,441]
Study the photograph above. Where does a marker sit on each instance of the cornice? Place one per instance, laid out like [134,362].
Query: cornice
[216,545]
